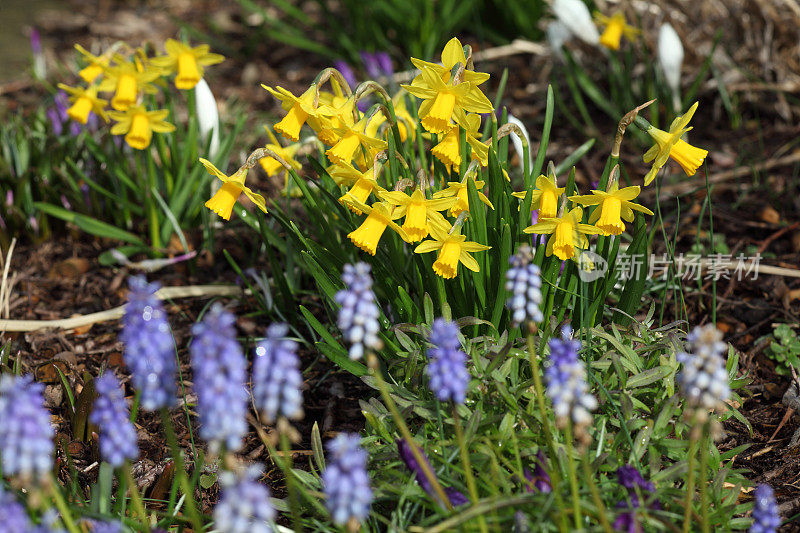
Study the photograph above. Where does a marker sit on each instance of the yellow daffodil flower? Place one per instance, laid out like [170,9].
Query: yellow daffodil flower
[615,205]
[669,144]
[84,101]
[545,196]
[95,65]
[448,151]
[298,110]
[568,234]
[459,190]
[452,55]
[138,125]
[615,27]
[332,117]
[363,183]
[351,138]
[272,167]
[453,249]
[379,217]
[127,79]
[186,62]
[232,187]
[418,211]
[441,100]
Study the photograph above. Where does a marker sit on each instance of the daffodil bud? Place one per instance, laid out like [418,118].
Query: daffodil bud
[575,15]
[670,55]
[517,142]
[207,116]
[557,35]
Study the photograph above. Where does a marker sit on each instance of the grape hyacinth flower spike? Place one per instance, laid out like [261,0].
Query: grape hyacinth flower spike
[704,379]
[345,481]
[765,511]
[404,449]
[149,347]
[276,376]
[13,516]
[358,315]
[220,376]
[118,438]
[244,506]
[447,369]
[524,283]
[26,438]
[566,385]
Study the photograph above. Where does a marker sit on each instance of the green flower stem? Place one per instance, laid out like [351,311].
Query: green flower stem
[136,497]
[285,464]
[61,505]
[704,478]
[462,444]
[573,476]
[598,501]
[180,468]
[555,478]
[687,515]
[372,361]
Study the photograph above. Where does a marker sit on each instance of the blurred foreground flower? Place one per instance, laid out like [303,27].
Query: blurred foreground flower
[447,370]
[358,315]
[220,377]
[244,505]
[456,498]
[118,438]
[765,511]
[345,481]
[615,27]
[26,438]
[149,347]
[276,376]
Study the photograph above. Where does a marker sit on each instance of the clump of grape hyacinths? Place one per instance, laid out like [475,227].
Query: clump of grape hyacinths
[149,348]
[345,481]
[26,438]
[358,315]
[244,506]
[523,283]
[118,438]
[220,376]
[447,371]
[704,380]
[276,376]
[566,385]
[765,511]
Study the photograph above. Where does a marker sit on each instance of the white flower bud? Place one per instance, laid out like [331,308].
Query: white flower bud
[575,15]
[670,56]
[207,116]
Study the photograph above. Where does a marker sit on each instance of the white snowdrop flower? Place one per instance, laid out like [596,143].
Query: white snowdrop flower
[207,116]
[670,56]
[557,34]
[575,15]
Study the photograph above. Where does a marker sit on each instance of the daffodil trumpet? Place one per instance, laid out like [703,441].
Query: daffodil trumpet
[567,234]
[453,248]
[418,210]
[544,196]
[379,217]
[613,206]
[233,186]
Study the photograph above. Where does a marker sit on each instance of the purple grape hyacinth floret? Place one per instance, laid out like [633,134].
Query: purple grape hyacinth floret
[539,479]
[566,382]
[765,511]
[523,283]
[118,438]
[345,480]
[447,370]
[12,513]
[276,376]
[407,455]
[220,377]
[149,347]
[631,479]
[346,71]
[26,438]
[244,506]
[358,315]
[704,379]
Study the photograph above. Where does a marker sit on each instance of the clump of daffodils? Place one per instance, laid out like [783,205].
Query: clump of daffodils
[126,76]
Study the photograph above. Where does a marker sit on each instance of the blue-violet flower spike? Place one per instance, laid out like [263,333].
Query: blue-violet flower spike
[345,480]
[765,511]
[523,283]
[149,347]
[118,438]
[704,380]
[447,367]
[26,438]
[276,376]
[244,506]
[358,315]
